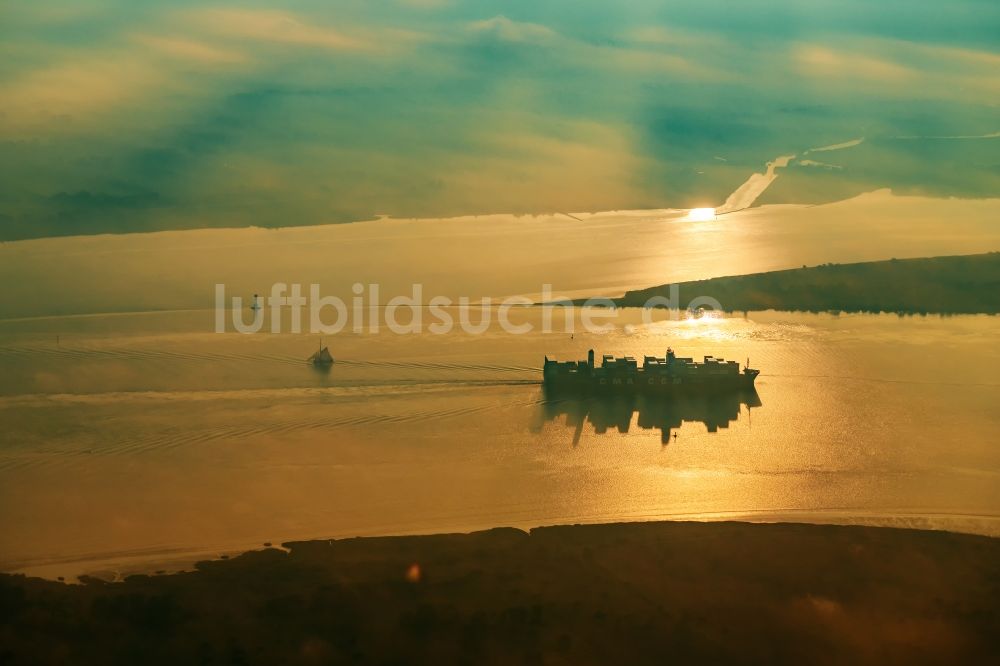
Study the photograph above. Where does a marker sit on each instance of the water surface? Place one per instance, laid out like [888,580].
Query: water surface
[160,440]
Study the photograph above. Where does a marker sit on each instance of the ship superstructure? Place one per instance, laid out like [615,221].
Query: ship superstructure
[670,373]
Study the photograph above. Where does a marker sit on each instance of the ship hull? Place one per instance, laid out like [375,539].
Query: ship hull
[651,385]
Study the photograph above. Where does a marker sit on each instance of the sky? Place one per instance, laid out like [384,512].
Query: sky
[140,115]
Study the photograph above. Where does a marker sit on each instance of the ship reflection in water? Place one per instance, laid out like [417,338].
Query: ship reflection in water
[665,413]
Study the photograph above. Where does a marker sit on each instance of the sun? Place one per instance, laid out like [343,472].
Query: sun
[701,214]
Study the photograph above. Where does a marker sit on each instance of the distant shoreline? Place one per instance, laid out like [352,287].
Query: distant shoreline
[723,592]
[965,284]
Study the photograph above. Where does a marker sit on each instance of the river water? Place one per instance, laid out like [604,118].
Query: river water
[144,439]
[150,445]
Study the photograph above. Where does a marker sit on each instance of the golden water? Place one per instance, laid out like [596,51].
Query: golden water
[163,440]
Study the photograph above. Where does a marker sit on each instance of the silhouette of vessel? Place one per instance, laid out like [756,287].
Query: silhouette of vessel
[670,374]
[615,411]
[322,358]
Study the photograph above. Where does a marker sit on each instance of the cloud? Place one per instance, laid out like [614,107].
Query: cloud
[895,68]
[949,70]
[615,59]
[121,71]
[333,111]
[657,35]
[938,54]
[64,95]
[820,61]
[532,167]
[273,26]
[503,29]
[134,77]
[648,63]
[188,49]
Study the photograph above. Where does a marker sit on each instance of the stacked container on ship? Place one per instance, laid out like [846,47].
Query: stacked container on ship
[667,374]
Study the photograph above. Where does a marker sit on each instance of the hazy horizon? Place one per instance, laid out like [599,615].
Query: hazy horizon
[122,116]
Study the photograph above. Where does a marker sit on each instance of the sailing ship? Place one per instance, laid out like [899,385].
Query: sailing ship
[322,358]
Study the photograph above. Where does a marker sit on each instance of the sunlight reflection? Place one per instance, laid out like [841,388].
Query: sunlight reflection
[701,215]
[706,325]
[704,318]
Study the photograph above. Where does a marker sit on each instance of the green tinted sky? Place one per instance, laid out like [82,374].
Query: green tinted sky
[133,115]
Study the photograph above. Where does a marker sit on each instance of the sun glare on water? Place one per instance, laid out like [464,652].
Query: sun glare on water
[701,214]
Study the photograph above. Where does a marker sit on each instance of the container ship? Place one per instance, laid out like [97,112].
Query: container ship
[668,374]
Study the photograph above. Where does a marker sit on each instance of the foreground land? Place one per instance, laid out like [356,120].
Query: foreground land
[945,285]
[623,593]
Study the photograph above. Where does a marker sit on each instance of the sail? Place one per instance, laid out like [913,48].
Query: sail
[322,356]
